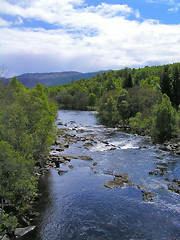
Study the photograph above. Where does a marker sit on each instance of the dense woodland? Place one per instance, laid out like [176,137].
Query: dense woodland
[26,132]
[145,100]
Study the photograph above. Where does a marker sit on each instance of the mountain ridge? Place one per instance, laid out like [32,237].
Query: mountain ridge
[53,78]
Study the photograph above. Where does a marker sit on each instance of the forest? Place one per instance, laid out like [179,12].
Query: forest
[144,101]
[26,131]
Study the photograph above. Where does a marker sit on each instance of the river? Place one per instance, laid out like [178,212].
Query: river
[77,205]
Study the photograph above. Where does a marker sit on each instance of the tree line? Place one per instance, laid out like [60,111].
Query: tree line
[146,99]
[26,132]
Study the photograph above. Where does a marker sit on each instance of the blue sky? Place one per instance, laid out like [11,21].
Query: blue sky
[88,35]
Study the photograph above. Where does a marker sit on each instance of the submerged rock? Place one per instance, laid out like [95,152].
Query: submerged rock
[147,196]
[175,186]
[88,144]
[159,171]
[141,187]
[61,172]
[85,157]
[71,166]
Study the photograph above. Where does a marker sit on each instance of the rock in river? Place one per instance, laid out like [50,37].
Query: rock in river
[120,181]
[60,172]
[147,196]
[22,231]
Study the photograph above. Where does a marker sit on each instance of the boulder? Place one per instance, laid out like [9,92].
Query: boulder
[19,232]
[114,184]
[120,181]
[5,237]
[123,176]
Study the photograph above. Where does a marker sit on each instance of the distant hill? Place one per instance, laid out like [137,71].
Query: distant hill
[52,79]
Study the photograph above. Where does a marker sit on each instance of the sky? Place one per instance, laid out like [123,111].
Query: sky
[88,35]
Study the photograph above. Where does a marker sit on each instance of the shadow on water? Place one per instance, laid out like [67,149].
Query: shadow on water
[40,206]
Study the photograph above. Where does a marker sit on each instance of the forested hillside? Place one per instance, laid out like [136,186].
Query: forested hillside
[144,100]
[26,132]
[52,79]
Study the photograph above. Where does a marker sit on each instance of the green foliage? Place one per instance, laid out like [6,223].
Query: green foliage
[26,132]
[80,100]
[128,81]
[123,105]
[175,87]
[142,99]
[27,121]
[165,119]
[165,82]
[141,125]
[9,221]
[92,100]
[65,100]
[107,110]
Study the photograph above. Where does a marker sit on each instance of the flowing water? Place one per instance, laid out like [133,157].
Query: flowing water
[78,206]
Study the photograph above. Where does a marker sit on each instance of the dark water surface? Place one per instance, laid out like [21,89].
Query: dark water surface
[77,206]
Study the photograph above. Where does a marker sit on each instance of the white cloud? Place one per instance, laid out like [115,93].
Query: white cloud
[4,23]
[89,38]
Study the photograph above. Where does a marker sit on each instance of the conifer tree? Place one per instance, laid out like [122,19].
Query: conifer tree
[176,87]
[165,82]
[128,82]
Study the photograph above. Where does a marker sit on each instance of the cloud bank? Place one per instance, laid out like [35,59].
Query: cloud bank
[53,35]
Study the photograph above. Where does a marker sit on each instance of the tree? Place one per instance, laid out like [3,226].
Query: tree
[107,109]
[17,180]
[128,82]
[123,105]
[92,100]
[165,81]
[65,100]
[26,132]
[80,100]
[175,87]
[110,84]
[165,119]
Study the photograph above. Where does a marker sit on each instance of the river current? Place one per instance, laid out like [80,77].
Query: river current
[77,205]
